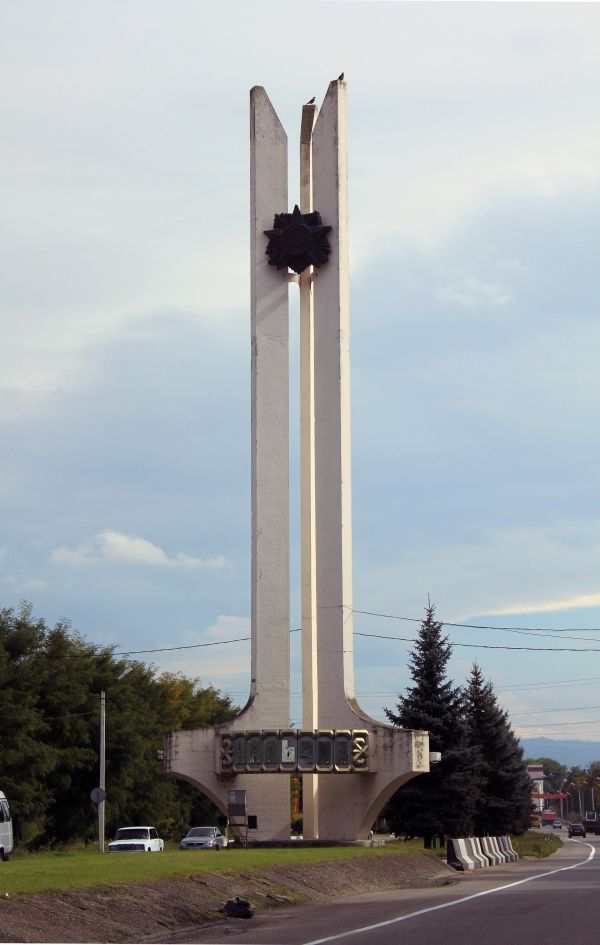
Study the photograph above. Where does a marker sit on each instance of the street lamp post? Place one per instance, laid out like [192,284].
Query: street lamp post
[592,784]
[102,785]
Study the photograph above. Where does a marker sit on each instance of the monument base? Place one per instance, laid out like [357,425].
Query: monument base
[348,802]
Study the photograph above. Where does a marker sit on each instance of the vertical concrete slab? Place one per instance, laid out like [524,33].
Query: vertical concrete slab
[269,704]
[307,487]
[270,690]
[332,416]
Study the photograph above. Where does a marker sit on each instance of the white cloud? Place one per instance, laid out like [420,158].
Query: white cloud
[112,547]
[32,584]
[473,293]
[570,603]
[227,626]
[501,571]
[22,587]
[512,266]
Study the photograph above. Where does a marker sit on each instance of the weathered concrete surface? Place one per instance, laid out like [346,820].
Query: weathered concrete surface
[346,807]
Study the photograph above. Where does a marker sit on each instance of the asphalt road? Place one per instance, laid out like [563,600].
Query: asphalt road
[553,901]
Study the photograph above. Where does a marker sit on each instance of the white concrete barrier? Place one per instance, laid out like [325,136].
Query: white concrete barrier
[458,856]
[475,852]
[496,849]
[472,853]
[486,846]
[506,847]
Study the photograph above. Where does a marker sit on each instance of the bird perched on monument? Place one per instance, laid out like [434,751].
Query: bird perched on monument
[341,77]
[311,101]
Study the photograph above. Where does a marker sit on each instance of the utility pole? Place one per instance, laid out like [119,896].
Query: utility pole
[102,784]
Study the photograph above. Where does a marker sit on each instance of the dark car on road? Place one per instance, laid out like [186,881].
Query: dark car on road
[576,830]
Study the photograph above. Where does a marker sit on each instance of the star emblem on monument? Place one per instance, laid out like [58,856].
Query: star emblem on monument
[298,240]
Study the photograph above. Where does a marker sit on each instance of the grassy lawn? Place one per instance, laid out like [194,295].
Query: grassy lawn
[39,872]
[536,844]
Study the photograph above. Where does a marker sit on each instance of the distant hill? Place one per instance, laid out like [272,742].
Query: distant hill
[568,752]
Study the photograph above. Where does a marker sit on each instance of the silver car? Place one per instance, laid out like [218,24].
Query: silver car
[203,838]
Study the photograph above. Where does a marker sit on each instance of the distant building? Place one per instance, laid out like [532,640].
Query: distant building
[536,773]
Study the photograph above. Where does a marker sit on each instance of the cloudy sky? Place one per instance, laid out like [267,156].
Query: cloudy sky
[475,313]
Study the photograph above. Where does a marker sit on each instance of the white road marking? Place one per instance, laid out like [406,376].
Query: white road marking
[455,902]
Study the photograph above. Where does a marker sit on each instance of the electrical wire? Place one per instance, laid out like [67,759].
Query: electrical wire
[557,724]
[570,708]
[490,646]
[481,626]
[376,636]
[190,646]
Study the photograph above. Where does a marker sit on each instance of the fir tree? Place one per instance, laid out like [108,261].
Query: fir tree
[444,800]
[504,786]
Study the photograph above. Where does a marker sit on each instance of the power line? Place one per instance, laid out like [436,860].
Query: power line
[549,684]
[482,626]
[190,646]
[571,708]
[48,718]
[490,646]
[376,636]
[557,724]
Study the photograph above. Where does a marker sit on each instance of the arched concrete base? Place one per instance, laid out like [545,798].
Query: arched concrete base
[191,756]
[348,803]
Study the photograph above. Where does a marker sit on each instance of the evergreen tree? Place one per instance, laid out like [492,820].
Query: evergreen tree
[504,797]
[444,800]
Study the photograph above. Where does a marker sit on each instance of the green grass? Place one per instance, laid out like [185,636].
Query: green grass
[536,844]
[66,869]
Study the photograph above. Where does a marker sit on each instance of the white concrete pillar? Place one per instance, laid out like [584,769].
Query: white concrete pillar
[270,689]
[269,704]
[307,487]
[332,418]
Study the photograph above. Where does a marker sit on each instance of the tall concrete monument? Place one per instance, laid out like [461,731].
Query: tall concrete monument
[349,763]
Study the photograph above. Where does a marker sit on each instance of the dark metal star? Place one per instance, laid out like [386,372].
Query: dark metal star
[297,241]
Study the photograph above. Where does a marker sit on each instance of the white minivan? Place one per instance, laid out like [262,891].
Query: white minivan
[6,831]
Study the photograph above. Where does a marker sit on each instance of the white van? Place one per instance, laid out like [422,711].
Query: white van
[6,831]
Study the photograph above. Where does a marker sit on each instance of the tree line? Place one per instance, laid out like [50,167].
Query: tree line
[50,684]
[481,785]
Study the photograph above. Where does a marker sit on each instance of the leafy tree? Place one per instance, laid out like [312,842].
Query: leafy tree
[583,788]
[504,797]
[444,800]
[50,684]
[26,757]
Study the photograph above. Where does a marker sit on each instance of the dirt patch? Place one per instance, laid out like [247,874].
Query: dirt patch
[137,912]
